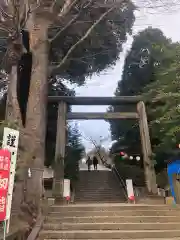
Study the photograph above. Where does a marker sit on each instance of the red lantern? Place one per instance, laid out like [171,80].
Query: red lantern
[132,198]
[68,198]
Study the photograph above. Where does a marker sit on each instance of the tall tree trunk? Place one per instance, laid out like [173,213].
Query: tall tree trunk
[37,104]
[13,115]
[32,137]
[13,118]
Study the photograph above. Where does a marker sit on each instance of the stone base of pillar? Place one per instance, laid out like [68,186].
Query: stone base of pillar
[59,200]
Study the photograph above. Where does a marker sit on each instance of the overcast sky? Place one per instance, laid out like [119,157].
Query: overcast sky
[106,83]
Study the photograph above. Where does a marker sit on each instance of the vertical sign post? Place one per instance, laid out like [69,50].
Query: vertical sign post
[67,192]
[130,190]
[10,142]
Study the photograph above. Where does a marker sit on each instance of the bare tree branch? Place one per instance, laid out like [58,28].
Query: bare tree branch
[88,4]
[85,5]
[4,28]
[104,162]
[88,32]
[5,14]
[52,5]
[66,8]
[28,9]
[64,28]
[39,3]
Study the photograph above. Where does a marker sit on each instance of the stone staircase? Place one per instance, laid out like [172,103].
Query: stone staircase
[99,186]
[112,221]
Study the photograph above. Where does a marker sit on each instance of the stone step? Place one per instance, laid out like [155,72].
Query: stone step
[97,181]
[95,173]
[105,199]
[112,226]
[102,195]
[99,196]
[94,192]
[111,207]
[100,192]
[114,207]
[88,201]
[100,200]
[114,219]
[99,186]
[109,234]
[178,238]
[117,213]
[96,189]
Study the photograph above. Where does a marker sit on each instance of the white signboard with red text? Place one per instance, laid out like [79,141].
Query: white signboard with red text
[5,162]
[130,190]
[10,142]
[66,192]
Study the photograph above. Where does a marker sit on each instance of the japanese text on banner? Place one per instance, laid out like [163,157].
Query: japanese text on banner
[5,160]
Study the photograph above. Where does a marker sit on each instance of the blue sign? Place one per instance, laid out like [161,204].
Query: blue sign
[173,168]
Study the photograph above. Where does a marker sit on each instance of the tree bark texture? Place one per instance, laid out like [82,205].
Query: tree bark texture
[13,117]
[37,104]
[12,107]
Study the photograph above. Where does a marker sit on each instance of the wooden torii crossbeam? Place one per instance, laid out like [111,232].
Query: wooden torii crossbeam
[63,115]
[96,100]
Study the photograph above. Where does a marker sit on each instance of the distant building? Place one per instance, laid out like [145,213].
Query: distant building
[48,173]
[48,176]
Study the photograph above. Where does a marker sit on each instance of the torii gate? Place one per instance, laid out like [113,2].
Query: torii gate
[63,115]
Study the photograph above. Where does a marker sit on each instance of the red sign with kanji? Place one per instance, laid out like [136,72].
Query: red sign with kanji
[5,162]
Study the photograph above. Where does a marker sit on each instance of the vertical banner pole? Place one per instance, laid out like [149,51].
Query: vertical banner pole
[130,190]
[5,163]
[7,225]
[10,142]
[4,230]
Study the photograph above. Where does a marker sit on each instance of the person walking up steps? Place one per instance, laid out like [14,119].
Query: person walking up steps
[95,162]
[89,163]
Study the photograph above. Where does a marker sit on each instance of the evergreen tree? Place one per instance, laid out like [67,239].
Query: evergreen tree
[163,99]
[74,152]
[139,71]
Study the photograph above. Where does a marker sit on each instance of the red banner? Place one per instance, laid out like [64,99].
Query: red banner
[5,162]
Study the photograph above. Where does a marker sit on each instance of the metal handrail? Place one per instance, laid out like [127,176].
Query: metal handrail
[20,234]
[45,207]
[37,228]
[123,185]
